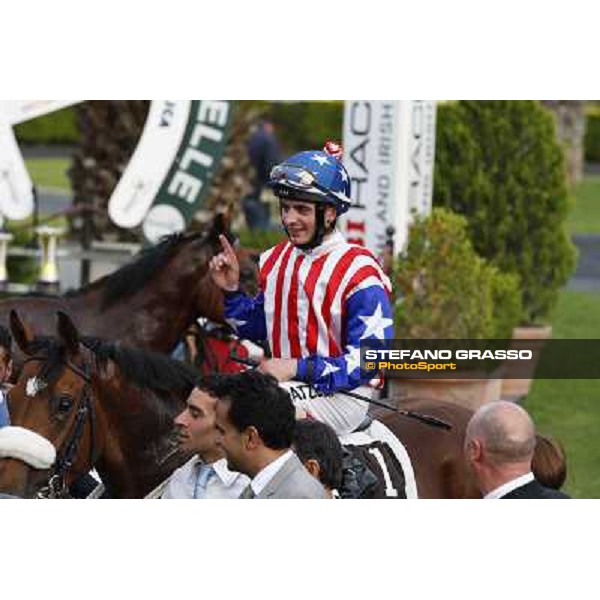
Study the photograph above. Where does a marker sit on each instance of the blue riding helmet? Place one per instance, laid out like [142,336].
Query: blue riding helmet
[313,176]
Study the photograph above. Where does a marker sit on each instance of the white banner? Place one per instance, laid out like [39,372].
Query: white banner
[16,193]
[150,163]
[18,111]
[389,152]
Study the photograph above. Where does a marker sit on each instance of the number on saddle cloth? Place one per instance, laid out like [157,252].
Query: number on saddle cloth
[372,471]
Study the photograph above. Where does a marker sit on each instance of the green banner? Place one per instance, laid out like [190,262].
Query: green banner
[198,159]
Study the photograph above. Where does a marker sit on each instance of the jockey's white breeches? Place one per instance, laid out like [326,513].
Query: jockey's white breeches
[341,412]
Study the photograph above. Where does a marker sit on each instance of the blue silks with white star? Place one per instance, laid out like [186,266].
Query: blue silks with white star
[368,317]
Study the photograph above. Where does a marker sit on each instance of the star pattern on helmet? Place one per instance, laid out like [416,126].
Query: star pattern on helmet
[344,176]
[376,324]
[322,160]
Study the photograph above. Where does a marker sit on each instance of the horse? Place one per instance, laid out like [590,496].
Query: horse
[148,303]
[78,394]
[97,403]
[83,402]
[436,452]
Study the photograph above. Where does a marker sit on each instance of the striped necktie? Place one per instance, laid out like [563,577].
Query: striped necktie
[248,493]
[205,472]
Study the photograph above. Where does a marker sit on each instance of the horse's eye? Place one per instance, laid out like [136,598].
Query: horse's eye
[64,404]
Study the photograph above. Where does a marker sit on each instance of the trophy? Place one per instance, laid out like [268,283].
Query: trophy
[48,280]
[5,239]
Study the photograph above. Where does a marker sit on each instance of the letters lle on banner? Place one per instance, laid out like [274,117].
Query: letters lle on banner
[197,160]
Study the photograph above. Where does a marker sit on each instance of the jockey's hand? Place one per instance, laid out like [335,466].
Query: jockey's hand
[225,268]
[283,369]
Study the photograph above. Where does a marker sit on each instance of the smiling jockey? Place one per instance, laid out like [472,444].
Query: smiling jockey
[320,296]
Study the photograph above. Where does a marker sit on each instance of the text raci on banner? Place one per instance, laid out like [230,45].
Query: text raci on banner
[389,149]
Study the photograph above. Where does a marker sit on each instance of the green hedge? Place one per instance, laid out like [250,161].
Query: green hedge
[499,164]
[59,127]
[304,125]
[445,290]
[592,137]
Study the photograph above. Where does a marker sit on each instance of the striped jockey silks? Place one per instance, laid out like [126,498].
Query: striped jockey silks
[317,306]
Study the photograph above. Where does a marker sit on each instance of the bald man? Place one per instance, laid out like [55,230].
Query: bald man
[499,445]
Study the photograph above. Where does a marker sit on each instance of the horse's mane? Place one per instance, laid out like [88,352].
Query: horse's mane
[132,276]
[148,370]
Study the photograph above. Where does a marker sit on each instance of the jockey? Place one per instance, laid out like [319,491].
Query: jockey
[320,296]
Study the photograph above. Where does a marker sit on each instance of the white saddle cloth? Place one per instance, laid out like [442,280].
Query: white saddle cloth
[377,431]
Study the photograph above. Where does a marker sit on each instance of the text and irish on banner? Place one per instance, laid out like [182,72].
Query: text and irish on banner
[170,172]
[389,151]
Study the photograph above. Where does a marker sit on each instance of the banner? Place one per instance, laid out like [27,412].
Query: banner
[389,151]
[16,193]
[18,111]
[188,180]
[166,179]
[150,163]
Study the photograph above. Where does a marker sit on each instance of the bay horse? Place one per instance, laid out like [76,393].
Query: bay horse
[97,403]
[148,303]
[70,376]
[83,402]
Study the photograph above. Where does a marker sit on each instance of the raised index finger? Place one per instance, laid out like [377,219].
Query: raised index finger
[227,248]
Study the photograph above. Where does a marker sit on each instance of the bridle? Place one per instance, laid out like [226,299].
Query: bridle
[56,486]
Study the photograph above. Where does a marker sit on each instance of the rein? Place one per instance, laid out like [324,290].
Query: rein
[56,486]
[411,414]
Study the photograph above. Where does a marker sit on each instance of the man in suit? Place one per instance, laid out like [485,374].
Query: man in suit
[499,445]
[255,424]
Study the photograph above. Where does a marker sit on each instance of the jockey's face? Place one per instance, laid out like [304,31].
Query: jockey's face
[196,426]
[299,219]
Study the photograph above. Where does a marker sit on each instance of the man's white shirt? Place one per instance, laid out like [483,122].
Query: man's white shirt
[509,486]
[223,485]
[263,477]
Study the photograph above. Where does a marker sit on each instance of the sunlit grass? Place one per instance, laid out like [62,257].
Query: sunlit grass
[570,409]
[50,172]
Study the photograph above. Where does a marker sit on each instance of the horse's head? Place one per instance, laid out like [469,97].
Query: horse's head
[52,435]
[194,260]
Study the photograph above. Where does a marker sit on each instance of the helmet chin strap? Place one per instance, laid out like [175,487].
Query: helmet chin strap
[319,234]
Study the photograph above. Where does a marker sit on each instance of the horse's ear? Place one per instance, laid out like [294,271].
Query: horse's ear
[20,332]
[68,332]
[221,225]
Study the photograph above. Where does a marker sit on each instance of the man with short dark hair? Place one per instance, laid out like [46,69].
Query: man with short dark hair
[205,475]
[320,451]
[255,425]
[499,445]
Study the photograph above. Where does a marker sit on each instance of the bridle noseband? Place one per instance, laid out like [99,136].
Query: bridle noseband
[56,486]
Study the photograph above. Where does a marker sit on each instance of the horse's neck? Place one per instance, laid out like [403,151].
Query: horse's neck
[154,317]
[136,455]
